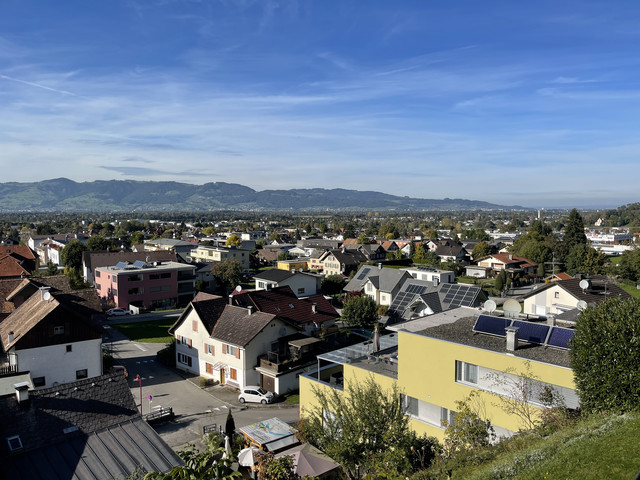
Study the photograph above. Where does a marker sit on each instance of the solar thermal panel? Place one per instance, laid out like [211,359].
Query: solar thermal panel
[531,332]
[138,263]
[560,337]
[491,325]
[121,264]
[365,271]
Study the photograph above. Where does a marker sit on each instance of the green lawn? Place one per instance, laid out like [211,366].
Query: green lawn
[153,331]
[630,289]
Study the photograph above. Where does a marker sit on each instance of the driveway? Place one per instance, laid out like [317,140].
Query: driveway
[194,407]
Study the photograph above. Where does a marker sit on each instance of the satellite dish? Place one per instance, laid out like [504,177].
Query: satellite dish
[46,296]
[238,288]
[584,284]
[511,308]
[490,306]
[582,305]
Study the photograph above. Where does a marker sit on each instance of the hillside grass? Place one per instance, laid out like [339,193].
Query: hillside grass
[153,331]
[630,289]
[598,447]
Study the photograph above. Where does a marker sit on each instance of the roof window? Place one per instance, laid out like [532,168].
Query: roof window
[14,443]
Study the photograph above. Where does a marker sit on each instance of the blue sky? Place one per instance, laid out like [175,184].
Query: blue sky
[517,103]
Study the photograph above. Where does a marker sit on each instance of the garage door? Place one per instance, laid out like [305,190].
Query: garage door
[268,383]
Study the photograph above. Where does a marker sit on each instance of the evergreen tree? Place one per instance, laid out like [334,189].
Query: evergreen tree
[574,231]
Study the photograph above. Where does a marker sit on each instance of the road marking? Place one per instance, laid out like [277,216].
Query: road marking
[144,349]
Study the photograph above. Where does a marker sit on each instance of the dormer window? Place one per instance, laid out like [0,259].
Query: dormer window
[59,330]
[14,443]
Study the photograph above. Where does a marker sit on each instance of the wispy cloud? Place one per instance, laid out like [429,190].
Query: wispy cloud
[33,84]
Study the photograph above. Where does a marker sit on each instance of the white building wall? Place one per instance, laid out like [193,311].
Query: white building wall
[59,366]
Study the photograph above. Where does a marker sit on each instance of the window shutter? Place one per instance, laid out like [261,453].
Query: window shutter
[213,349]
[237,352]
[194,325]
[189,343]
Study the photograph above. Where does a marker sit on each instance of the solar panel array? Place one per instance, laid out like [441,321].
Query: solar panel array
[413,288]
[363,273]
[121,265]
[459,295]
[401,302]
[139,264]
[535,333]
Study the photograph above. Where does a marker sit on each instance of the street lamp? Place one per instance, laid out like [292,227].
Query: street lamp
[139,379]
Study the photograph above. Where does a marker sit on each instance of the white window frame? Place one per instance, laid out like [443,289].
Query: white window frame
[229,349]
[185,359]
[466,373]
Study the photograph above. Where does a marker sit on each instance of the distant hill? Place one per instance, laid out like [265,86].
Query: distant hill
[62,194]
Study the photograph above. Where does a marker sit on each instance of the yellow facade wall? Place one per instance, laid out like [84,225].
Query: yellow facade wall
[427,372]
[289,265]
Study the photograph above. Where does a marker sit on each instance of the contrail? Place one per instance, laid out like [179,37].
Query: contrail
[38,85]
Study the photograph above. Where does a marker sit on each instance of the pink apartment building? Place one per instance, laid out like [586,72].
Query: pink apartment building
[146,285]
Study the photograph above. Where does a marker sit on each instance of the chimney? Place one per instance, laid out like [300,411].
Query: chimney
[293,270]
[314,308]
[22,391]
[10,338]
[249,310]
[230,299]
[510,257]
[512,338]
[379,266]
[551,321]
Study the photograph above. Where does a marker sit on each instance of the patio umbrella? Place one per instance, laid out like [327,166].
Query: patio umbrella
[227,447]
[248,457]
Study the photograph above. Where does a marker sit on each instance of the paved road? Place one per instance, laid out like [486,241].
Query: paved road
[193,406]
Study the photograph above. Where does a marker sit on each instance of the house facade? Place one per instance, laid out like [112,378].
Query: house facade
[53,334]
[439,360]
[301,283]
[161,284]
[219,254]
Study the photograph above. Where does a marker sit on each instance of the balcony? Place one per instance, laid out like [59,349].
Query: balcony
[279,365]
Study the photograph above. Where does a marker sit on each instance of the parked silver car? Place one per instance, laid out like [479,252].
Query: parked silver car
[255,394]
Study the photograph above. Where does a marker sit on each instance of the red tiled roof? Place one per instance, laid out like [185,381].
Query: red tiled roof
[521,261]
[562,276]
[282,302]
[10,267]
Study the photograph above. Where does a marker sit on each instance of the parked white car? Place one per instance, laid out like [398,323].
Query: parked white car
[118,311]
[255,394]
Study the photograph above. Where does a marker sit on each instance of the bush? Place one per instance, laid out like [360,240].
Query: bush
[605,354]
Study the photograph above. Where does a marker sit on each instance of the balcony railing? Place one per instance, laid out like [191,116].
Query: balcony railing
[283,365]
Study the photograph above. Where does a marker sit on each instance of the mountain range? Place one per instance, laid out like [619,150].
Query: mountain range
[64,195]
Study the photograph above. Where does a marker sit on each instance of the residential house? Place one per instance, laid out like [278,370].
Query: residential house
[373,252]
[60,238]
[561,296]
[88,429]
[508,262]
[17,261]
[441,359]
[301,264]
[157,285]
[450,252]
[181,248]
[203,253]
[341,262]
[263,339]
[430,274]
[53,332]
[380,284]
[315,260]
[301,283]
[93,260]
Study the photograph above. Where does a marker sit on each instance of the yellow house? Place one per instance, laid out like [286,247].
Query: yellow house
[299,264]
[440,359]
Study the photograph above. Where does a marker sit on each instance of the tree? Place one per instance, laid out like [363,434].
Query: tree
[360,310]
[585,259]
[229,272]
[71,255]
[419,254]
[230,427]
[574,231]
[605,354]
[137,238]
[285,256]
[500,281]
[272,468]
[482,249]
[97,243]
[359,423]
[52,268]
[471,429]
[233,240]
[332,284]
[363,239]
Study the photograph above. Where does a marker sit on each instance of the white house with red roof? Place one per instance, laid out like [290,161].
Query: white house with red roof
[509,262]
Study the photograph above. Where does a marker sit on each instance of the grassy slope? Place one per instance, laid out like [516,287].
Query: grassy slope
[596,448]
